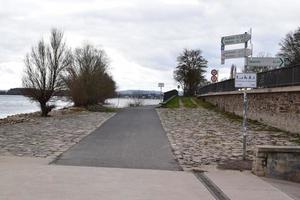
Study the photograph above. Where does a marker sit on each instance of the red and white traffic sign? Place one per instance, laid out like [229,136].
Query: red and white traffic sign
[214,72]
[214,79]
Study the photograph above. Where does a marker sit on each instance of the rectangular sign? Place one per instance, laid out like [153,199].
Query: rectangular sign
[235,39]
[273,62]
[161,85]
[245,80]
[235,53]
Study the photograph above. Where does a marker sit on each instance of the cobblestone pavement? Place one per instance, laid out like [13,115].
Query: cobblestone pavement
[201,137]
[45,137]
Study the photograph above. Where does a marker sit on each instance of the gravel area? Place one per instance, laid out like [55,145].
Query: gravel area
[202,137]
[47,137]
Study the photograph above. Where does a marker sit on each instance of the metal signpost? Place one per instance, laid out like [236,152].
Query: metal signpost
[245,80]
[161,85]
[242,80]
[273,62]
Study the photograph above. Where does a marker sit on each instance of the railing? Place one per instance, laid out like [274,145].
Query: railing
[287,76]
[170,94]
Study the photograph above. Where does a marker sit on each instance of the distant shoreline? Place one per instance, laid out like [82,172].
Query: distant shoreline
[11,105]
[22,117]
[20,106]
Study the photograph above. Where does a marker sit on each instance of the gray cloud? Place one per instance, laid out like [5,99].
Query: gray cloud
[143,35]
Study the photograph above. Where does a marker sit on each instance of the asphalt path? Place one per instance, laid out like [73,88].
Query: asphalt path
[133,138]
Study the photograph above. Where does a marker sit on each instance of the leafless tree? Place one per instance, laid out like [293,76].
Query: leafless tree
[258,69]
[88,79]
[290,48]
[45,65]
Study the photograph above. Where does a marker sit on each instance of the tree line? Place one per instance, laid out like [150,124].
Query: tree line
[53,67]
[191,65]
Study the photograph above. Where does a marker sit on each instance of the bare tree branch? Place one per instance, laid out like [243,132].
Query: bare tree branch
[44,67]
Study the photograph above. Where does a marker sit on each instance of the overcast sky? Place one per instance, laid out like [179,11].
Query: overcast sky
[142,38]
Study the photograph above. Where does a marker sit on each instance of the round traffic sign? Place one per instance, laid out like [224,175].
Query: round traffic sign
[214,72]
[213,79]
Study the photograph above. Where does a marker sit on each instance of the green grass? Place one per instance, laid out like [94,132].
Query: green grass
[108,109]
[100,108]
[205,104]
[259,126]
[188,103]
[297,140]
[173,103]
[210,106]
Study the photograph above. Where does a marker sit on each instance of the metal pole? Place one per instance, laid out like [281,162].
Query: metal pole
[245,65]
[245,107]
[161,99]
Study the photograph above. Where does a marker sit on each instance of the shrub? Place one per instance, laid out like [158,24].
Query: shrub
[88,79]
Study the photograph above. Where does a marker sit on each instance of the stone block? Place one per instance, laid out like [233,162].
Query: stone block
[278,162]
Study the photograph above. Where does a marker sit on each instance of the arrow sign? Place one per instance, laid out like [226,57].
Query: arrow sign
[235,39]
[236,53]
[265,62]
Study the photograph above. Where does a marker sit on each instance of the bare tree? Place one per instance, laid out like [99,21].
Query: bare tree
[258,69]
[263,54]
[290,48]
[44,67]
[88,79]
[190,70]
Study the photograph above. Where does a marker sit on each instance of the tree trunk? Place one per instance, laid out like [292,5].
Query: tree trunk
[44,108]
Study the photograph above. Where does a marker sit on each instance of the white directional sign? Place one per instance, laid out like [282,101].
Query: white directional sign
[265,62]
[245,80]
[161,85]
[235,39]
[235,53]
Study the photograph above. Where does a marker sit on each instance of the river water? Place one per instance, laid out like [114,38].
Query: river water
[17,104]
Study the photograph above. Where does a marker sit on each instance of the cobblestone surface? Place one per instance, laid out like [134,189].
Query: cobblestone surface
[201,137]
[45,137]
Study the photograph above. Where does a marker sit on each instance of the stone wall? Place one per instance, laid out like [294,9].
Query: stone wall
[278,162]
[277,107]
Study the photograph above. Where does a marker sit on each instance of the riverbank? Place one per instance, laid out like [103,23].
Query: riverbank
[34,136]
[19,106]
[201,136]
[31,116]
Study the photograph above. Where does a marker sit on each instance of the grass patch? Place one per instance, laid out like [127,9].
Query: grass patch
[228,115]
[188,103]
[173,103]
[232,116]
[263,127]
[100,108]
[205,104]
[258,125]
[297,139]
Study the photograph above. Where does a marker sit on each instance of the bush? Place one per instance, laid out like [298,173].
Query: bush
[88,79]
